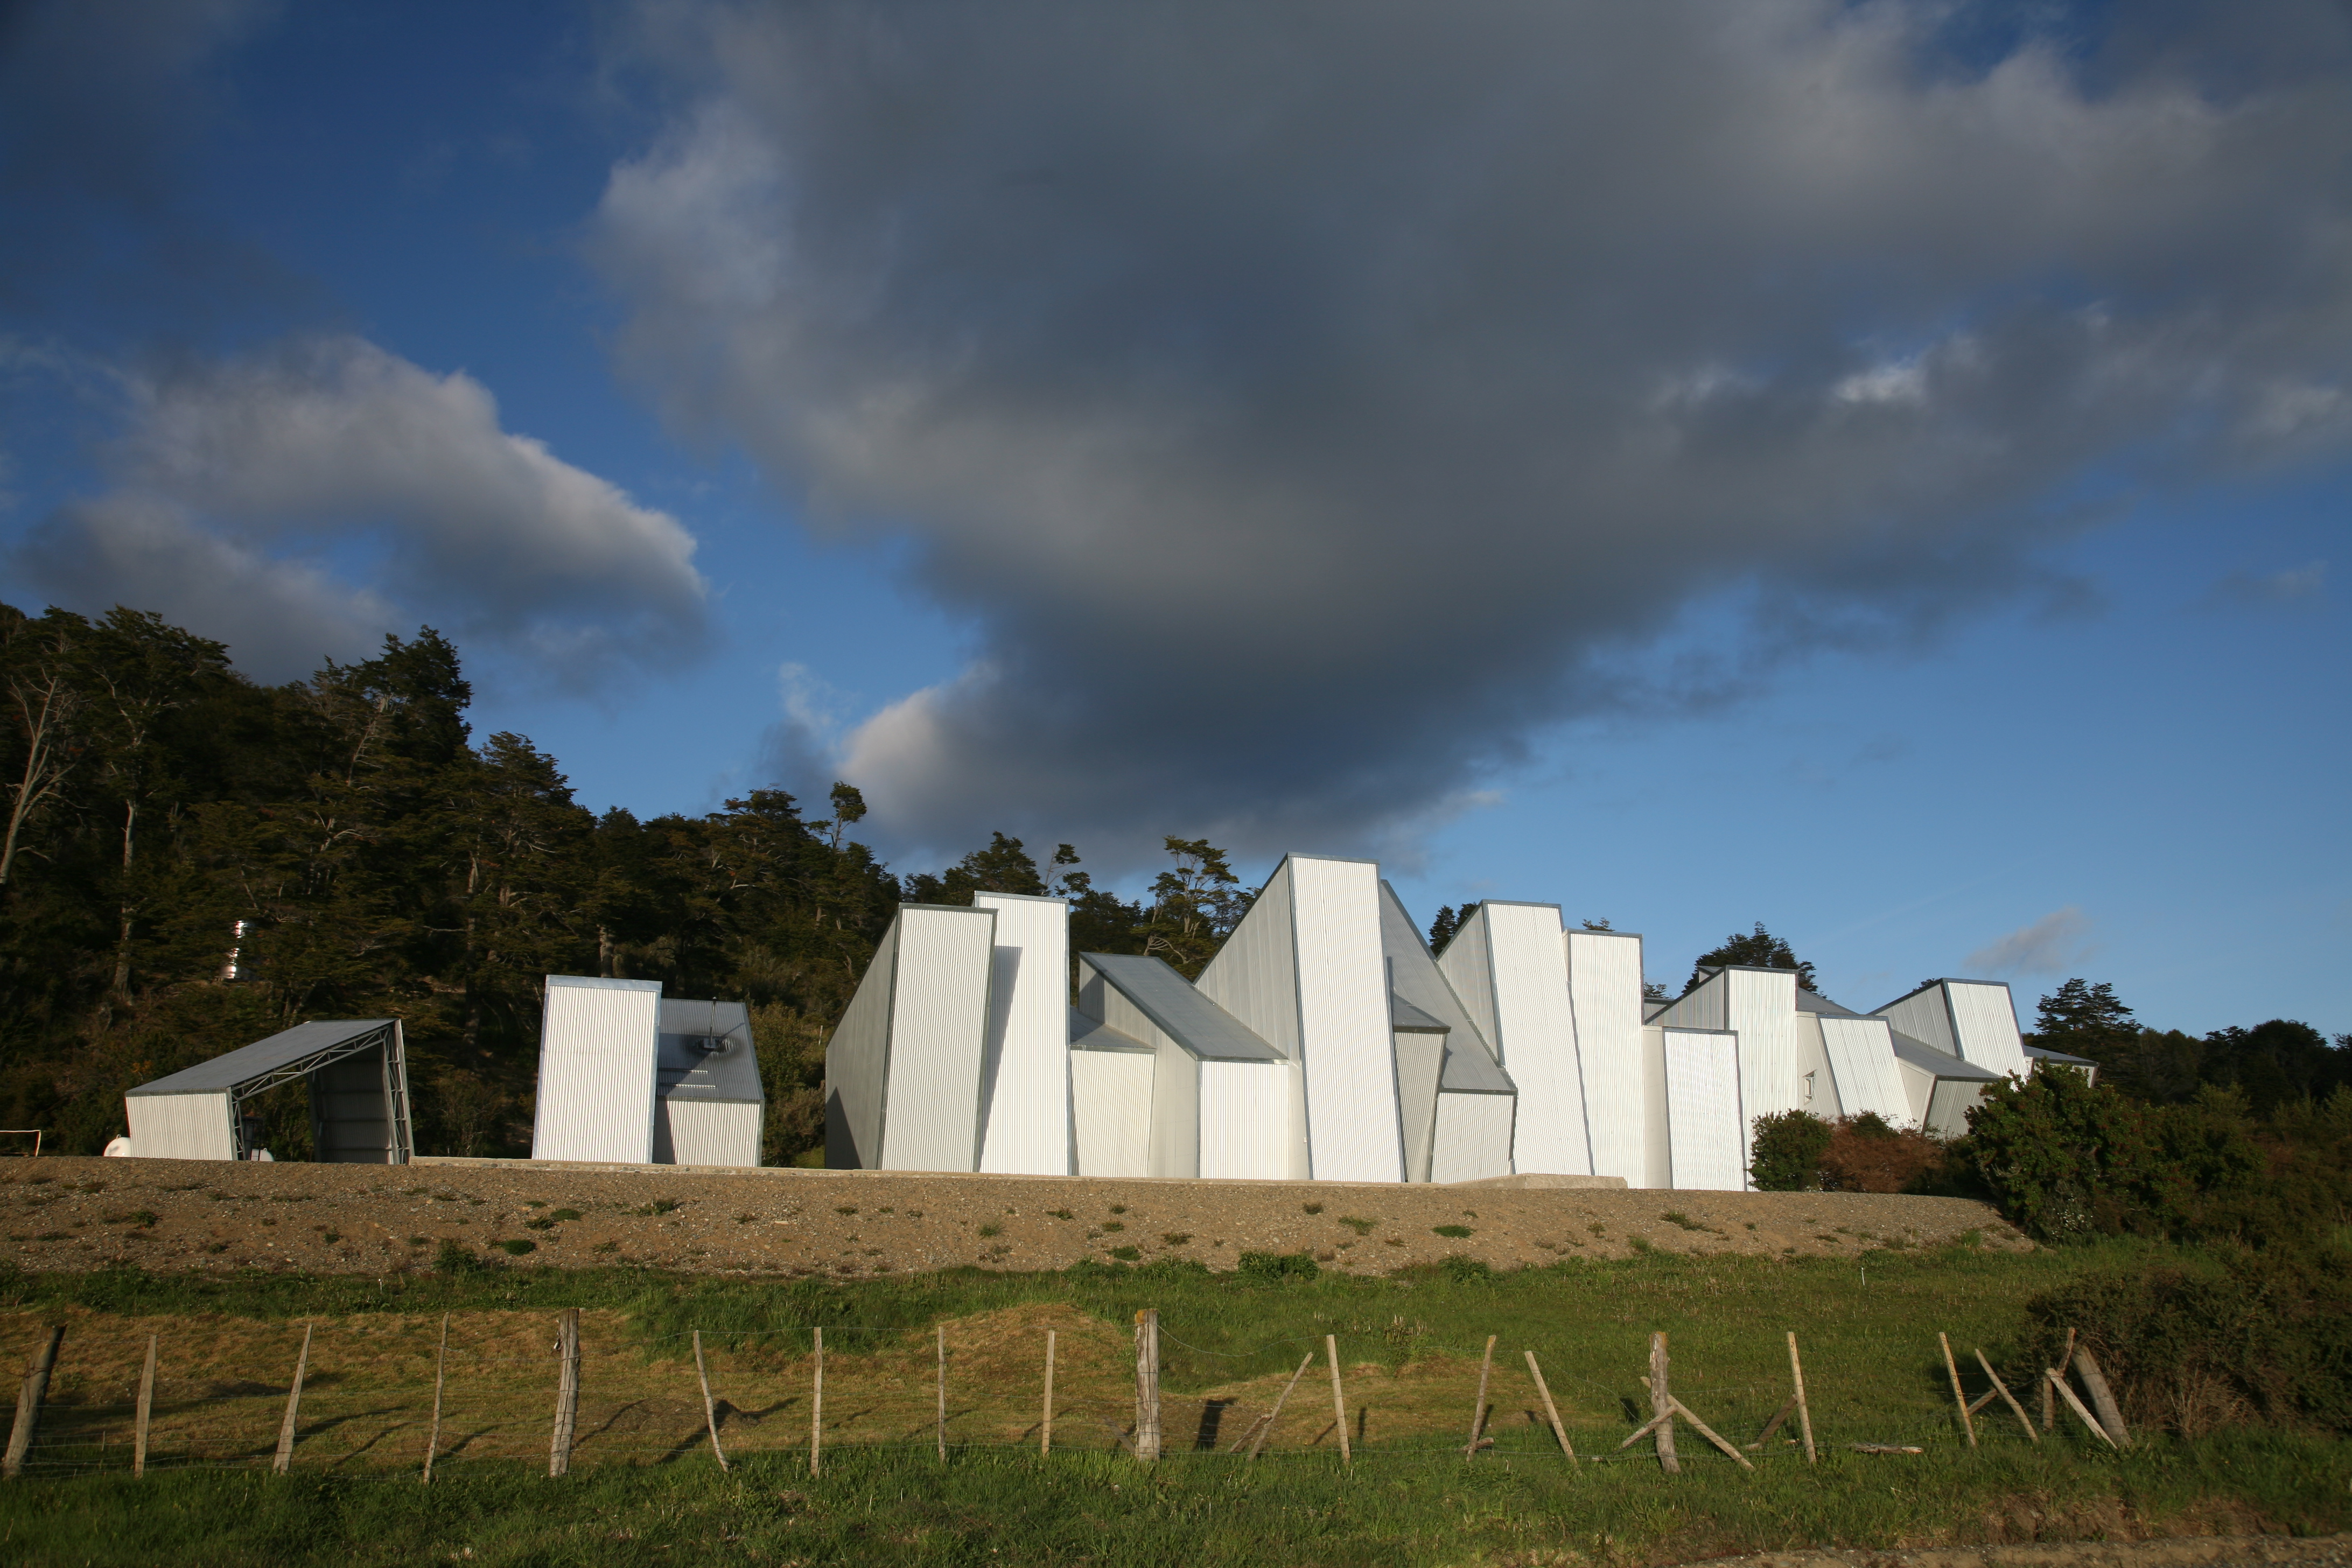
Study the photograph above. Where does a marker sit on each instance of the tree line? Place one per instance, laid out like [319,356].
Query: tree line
[190,860]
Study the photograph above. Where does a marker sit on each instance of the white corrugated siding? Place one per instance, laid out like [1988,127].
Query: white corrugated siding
[712,1132]
[1862,1059]
[1925,1017]
[599,1044]
[1420,1059]
[1255,975]
[1760,1005]
[1705,1007]
[1468,965]
[1353,1130]
[1245,1120]
[180,1126]
[939,1034]
[1657,1169]
[1110,1094]
[1027,1127]
[1987,1017]
[1948,1107]
[1704,1121]
[854,1060]
[1175,1111]
[1474,1137]
[1604,994]
[1536,1036]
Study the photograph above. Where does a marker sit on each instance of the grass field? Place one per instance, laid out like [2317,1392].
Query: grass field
[644,1487]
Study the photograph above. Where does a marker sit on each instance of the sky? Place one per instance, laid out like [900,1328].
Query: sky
[1878,470]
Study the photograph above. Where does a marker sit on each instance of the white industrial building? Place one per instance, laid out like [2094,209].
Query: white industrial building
[356,1070]
[628,1077]
[1326,1042]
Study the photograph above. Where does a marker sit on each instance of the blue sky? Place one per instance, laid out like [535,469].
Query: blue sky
[1907,511]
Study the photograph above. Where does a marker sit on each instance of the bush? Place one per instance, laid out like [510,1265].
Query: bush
[1275,1269]
[1868,1156]
[1786,1152]
[2189,1346]
[1466,1270]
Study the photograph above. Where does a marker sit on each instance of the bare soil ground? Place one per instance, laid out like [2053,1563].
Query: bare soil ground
[78,1214]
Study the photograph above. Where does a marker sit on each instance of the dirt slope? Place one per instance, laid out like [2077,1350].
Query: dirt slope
[64,1213]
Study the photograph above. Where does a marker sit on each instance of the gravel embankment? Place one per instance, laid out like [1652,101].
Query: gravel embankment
[71,1213]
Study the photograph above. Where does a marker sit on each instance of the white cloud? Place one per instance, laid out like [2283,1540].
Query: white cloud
[1306,404]
[2260,590]
[2055,941]
[246,491]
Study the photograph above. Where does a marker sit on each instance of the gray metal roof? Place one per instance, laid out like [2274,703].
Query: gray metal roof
[1091,1034]
[1920,1054]
[1814,1002]
[1180,1011]
[243,1066]
[1470,1070]
[1403,1015]
[687,1068]
[2041,1053]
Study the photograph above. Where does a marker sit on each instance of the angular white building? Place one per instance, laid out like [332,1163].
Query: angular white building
[1326,1042]
[628,1077]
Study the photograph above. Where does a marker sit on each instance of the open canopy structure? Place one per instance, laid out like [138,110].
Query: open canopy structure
[358,1074]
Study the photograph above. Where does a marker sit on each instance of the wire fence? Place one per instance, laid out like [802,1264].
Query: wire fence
[226,1396]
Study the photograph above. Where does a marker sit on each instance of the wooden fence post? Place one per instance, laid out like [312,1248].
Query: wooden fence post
[1661,1407]
[1804,1415]
[2049,1400]
[710,1411]
[285,1459]
[1478,1410]
[816,1403]
[1146,1384]
[1046,1424]
[2103,1398]
[1552,1410]
[2022,1419]
[146,1410]
[1968,1422]
[1275,1415]
[29,1395]
[440,1373]
[2051,1380]
[1339,1398]
[567,1391]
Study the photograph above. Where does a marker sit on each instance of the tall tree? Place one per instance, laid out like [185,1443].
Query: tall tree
[1195,904]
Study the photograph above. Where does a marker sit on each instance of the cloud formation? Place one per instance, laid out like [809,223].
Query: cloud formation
[2058,941]
[1307,404]
[250,495]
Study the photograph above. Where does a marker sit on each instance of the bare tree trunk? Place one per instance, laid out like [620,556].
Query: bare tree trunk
[45,709]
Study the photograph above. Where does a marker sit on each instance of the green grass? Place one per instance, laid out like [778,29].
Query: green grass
[1873,1369]
[885,1506]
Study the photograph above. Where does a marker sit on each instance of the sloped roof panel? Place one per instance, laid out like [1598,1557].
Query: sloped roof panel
[260,1059]
[1186,1015]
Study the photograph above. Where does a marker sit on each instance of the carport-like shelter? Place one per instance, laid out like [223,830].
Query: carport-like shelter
[358,1073]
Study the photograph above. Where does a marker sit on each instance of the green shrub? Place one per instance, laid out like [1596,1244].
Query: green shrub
[453,1259]
[1456,1232]
[2193,1344]
[1464,1270]
[1276,1268]
[516,1247]
[1786,1150]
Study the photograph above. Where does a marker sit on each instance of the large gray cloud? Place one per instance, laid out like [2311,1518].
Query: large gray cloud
[301,502]
[1306,403]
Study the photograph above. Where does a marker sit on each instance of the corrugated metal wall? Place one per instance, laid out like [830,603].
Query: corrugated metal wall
[855,1060]
[180,1126]
[1948,1107]
[1760,1005]
[1420,1057]
[1027,1127]
[1175,1109]
[1474,1137]
[1354,1132]
[1862,1059]
[1925,1016]
[938,1034]
[712,1132]
[1245,1120]
[1706,1121]
[348,1120]
[1111,1101]
[1536,1035]
[598,1043]
[1987,1017]
[1255,975]
[1604,994]
[1468,965]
